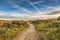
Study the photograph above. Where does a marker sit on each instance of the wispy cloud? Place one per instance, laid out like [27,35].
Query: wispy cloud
[13,16]
[14,5]
[39,16]
[47,6]
[34,6]
[37,2]
[17,16]
[49,9]
[30,15]
[55,0]
[52,9]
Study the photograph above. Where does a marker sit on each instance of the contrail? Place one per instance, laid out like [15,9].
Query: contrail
[34,6]
[38,2]
[44,5]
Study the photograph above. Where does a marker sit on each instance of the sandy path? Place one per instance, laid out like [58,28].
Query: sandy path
[30,34]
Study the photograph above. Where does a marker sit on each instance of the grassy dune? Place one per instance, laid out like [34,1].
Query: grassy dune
[48,29]
[10,29]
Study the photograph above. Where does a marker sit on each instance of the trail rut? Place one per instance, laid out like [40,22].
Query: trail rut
[30,34]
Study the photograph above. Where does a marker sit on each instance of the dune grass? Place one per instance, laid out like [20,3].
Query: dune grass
[48,29]
[8,31]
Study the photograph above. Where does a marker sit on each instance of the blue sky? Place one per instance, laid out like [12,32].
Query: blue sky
[28,6]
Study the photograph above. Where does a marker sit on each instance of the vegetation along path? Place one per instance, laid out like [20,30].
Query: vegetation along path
[30,34]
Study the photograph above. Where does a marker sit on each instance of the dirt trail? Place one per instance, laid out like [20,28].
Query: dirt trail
[30,34]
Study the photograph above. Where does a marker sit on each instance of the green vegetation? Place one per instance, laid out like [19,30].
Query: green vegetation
[9,30]
[50,28]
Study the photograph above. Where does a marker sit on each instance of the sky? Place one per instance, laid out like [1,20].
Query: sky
[24,7]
